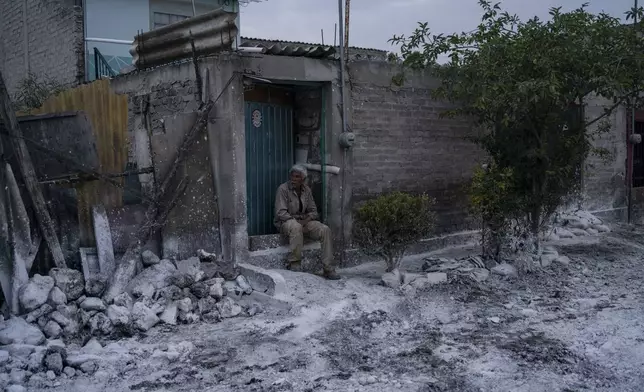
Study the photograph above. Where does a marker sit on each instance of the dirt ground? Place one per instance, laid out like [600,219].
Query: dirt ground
[569,328]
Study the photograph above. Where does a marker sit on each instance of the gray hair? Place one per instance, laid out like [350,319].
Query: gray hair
[298,167]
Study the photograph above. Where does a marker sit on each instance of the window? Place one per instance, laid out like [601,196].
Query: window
[162,19]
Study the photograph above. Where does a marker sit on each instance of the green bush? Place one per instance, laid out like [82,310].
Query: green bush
[494,203]
[387,225]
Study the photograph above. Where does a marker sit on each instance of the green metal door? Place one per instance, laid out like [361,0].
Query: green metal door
[269,156]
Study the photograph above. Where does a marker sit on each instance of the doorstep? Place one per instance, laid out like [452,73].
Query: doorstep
[270,251]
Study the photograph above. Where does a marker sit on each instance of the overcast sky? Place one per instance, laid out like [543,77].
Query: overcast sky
[373,22]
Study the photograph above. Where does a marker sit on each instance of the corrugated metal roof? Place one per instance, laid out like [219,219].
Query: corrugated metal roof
[204,34]
[243,39]
[283,48]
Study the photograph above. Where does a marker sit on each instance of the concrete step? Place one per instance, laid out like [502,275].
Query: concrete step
[275,258]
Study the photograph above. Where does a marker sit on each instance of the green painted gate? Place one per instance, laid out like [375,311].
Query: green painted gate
[269,157]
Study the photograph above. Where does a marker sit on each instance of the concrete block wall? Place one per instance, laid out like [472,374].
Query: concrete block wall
[44,37]
[402,144]
[162,106]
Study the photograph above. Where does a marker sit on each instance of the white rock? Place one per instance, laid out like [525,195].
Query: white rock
[592,231]
[564,233]
[216,291]
[118,315]
[228,308]
[57,297]
[34,293]
[578,232]
[185,305]
[143,317]
[436,277]
[69,281]
[158,275]
[392,279]
[100,324]
[52,329]
[565,260]
[38,313]
[505,270]
[93,303]
[242,282]
[18,376]
[18,331]
[125,300]
[51,375]
[69,371]
[92,345]
[479,274]
[76,360]
[15,388]
[494,320]
[143,290]
[59,318]
[548,258]
[579,223]
[169,315]
[89,367]
[4,357]
[602,228]
[529,312]
[149,258]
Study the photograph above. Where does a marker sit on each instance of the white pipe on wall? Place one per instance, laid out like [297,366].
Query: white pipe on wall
[327,168]
[109,41]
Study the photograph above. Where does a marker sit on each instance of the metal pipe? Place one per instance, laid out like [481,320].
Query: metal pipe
[194,9]
[323,156]
[250,50]
[344,126]
[318,168]
[109,41]
[631,146]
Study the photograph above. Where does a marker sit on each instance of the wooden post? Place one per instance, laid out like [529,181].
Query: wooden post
[29,175]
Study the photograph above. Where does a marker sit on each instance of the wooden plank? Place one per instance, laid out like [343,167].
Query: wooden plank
[29,176]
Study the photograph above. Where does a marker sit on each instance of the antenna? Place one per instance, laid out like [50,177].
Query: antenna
[335,35]
[322,32]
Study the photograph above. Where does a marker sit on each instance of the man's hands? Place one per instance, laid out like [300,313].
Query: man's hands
[303,221]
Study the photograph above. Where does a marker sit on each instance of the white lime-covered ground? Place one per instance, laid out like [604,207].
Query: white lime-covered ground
[566,327]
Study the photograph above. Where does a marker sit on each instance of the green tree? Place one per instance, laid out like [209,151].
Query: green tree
[526,84]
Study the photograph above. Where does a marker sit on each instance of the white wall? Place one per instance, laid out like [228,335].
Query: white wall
[115,19]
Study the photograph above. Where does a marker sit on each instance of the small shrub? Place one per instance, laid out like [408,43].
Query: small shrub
[33,91]
[387,225]
[494,203]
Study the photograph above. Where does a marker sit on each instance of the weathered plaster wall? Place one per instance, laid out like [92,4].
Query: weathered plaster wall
[162,107]
[402,144]
[605,186]
[42,37]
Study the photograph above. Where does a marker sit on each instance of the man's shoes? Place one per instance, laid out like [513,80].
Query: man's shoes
[295,266]
[331,275]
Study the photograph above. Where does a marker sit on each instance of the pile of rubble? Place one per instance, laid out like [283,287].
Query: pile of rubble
[57,307]
[576,224]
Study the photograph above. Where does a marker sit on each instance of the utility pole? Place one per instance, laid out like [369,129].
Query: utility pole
[630,145]
[347,9]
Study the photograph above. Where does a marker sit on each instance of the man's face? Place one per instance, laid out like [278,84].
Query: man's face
[297,179]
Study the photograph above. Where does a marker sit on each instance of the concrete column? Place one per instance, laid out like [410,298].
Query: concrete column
[227,152]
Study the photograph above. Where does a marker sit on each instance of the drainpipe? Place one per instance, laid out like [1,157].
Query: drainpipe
[631,146]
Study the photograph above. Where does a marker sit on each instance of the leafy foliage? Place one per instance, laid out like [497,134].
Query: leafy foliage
[526,84]
[33,91]
[387,225]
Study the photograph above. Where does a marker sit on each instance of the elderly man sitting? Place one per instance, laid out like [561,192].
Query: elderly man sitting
[296,215]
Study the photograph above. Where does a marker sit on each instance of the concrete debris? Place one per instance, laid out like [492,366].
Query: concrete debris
[243,284]
[143,317]
[104,245]
[578,232]
[191,267]
[169,315]
[15,388]
[119,315]
[184,305]
[89,367]
[124,300]
[100,324]
[69,371]
[216,291]
[224,269]
[57,297]
[200,290]
[392,279]
[436,277]
[54,362]
[93,303]
[564,233]
[92,345]
[4,357]
[206,305]
[38,313]
[52,329]
[565,260]
[228,308]
[158,275]
[505,269]
[18,331]
[149,258]
[69,281]
[143,290]
[35,292]
[170,293]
